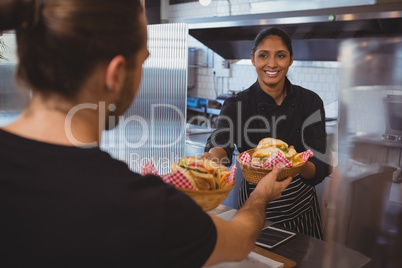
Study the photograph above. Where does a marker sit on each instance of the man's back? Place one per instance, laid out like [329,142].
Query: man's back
[70,206]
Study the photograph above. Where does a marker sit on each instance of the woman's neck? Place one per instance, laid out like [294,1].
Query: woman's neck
[277,92]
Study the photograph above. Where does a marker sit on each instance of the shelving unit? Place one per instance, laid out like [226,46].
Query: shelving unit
[206,110]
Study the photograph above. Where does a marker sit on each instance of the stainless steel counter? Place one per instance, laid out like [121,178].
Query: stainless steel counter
[196,138]
[195,144]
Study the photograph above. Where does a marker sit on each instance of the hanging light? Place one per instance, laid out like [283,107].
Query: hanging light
[205,2]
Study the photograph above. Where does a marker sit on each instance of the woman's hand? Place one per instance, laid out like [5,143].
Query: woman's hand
[210,156]
[217,154]
[308,170]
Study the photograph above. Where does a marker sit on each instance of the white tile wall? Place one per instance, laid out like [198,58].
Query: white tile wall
[322,80]
[366,110]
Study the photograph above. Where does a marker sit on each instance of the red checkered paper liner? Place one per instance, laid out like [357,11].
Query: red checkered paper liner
[275,159]
[178,180]
[229,179]
[246,158]
[149,168]
[306,155]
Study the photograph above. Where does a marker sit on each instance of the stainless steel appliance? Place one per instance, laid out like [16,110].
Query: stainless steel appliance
[393,106]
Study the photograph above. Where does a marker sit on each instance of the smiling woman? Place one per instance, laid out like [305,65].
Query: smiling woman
[274,107]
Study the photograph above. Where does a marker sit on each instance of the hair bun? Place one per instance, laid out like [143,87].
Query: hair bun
[19,14]
[31,12]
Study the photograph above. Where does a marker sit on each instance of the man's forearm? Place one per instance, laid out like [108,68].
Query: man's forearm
[236,238]
[252,214]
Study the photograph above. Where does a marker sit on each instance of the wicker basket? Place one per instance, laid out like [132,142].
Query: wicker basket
[254,174]
[209,200]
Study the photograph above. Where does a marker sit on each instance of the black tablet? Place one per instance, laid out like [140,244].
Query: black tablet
[271,237]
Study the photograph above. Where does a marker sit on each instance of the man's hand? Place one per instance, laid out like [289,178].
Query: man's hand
[236,238]
[270,186]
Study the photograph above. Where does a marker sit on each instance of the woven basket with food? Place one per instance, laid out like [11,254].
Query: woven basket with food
[206,182]
[258,162]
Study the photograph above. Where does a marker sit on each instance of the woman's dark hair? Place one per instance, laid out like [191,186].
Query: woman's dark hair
[273,31]
[61,41]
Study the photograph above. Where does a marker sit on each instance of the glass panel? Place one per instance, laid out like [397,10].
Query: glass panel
[154,126]
[366,204]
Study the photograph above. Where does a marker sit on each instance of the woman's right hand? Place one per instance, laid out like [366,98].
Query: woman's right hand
[211,156]
[217,155]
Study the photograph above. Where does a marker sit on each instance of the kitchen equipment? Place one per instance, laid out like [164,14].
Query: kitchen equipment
[316,33]
[393,106]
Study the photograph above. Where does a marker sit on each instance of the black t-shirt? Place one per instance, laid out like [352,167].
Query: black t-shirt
[64,206]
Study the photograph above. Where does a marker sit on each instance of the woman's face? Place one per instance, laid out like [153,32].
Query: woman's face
[272,60]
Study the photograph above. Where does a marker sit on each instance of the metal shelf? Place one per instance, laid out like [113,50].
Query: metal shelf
[196,109]
[211,111]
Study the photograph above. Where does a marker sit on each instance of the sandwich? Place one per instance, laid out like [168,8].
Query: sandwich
[204,174]
[260,156]
[288,151]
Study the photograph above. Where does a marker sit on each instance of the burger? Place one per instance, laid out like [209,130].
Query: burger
[288,151]
[204,174]
[261,155]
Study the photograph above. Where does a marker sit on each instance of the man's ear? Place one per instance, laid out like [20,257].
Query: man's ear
[116,74]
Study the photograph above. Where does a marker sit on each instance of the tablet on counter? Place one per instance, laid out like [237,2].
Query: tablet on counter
[271,237]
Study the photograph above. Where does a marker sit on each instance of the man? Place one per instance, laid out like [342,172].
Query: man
[67,205]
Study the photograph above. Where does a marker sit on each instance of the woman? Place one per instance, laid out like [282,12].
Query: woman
[274,107]
[63,201]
